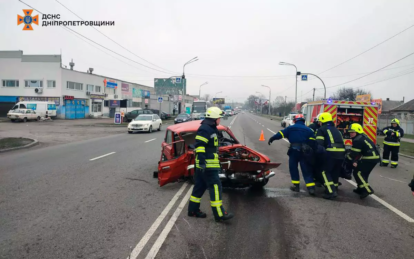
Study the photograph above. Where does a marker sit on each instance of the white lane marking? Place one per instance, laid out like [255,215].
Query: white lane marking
[231,123]
[102,156]
[275,133]
[387,205]
[138,248]
[160,240]
[392,179]
[150,140]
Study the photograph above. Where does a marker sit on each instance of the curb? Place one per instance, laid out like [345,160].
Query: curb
[35,142]
[412,157]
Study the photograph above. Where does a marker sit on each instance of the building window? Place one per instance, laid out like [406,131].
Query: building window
[10,83]
[97,88]
[106,103]
[74,86]
[51,83]
[89,88]
[96,107]
[33,83]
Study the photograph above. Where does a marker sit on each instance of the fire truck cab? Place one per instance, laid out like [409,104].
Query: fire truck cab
[344,113]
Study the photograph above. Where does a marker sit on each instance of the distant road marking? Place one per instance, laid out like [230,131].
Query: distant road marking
[275,133]
[160,240]
[386,204]
[231,123]
[138,248]
[150,140]
[392,179]
[102,156]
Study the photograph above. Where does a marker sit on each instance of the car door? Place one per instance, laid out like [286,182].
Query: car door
[175,167]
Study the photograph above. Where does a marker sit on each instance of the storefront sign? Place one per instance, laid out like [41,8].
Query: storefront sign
[117,119]
[145,93]
[114,103]
[110,83]
[68,97]
[97,96]
[136,93]
[125,87]
[146,101]
[363,98]
[40,99]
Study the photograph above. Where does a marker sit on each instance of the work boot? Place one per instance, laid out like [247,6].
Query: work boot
[357,190]
[318,184]
[311,191]
[226,216]
[384,164]
[394,166]
[363,194]
[295,188]
[330,196]
[197,214]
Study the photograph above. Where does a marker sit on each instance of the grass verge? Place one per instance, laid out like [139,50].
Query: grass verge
[6,143]
[406,148]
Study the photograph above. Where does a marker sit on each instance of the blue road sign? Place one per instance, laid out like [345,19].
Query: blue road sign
[160,99]
[178,80]
[304,77]
[117,119]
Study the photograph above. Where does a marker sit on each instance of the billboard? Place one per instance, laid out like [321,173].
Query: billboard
[170,86]
[219,101]
[379,102]
[363,98]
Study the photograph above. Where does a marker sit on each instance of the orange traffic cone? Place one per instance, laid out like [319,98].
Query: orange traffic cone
[262,137]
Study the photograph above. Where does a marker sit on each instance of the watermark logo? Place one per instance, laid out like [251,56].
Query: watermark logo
[28,19]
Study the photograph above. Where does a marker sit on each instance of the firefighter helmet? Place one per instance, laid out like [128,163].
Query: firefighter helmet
[214,113]
[325,117]
[355,127]
[396,121]
[298,117]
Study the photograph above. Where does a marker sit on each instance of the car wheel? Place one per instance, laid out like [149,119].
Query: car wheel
[130,132]
[150,129]
[12,120]
[159,128]
[38,118]
[25,119]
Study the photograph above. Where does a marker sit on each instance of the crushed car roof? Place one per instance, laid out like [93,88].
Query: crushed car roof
[190,126]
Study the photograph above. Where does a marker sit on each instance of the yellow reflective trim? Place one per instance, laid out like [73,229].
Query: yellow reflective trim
[212,166]
[395,144]
[370,157]
[195,199]
[217,198]
[320,137]
[330,136]
[366,185]
[201,138]
[397,134]
[385,131]
[312,138]
[327,184]
[394,163]
[213,161]
[336,149]
[200,150]
[216,203]
[295,182]
[349,157]
[310,184]
[281,133]
[215,141]
[368,144]
[356,149]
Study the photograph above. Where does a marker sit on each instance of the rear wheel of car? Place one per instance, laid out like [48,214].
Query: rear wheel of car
[150,129]
[12,120]
[25,119]
[130,132]
[38,118]
[259,185]
[159,128]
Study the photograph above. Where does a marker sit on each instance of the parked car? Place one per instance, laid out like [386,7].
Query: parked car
[165,116]
[129,116]
[145,123]
[283,122]
[289,120]
[22,115]
[241,165]
[42,109]
[183,117]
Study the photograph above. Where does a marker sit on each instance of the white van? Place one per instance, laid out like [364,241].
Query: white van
[42,108]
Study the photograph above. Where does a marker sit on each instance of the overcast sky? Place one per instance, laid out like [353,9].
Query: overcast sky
[239,43]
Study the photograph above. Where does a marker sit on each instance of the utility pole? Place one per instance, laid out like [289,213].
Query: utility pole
[313,94]
[284,109]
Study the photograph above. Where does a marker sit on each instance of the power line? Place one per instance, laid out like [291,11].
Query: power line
[406,29]
[399,75]
[373,71]
[115,41]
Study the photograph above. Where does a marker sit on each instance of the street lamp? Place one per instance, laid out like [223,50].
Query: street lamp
[217,93]
[296,78]
[261,105]
[199,92]
[183,77]
[270,94]
[324,95]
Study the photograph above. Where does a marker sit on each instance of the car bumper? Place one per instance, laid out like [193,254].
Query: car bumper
[137,129]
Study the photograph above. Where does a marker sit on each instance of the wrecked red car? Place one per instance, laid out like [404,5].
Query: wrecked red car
[241,166]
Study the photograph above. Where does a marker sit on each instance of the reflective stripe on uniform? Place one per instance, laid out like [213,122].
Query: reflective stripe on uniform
[356,149]
[334,149]
[327,184]
[281,133]
[312,138]
[330,136]
[370,157]
[385,131]
[385,161]
[200,150]
[336,184]
[395,144]
[364,184]
[216,203]
[212,165]
[310,184]
[394,162]
[295,182]
[212,161]
[397,134]
[198,137]
[195,199]
[217,199]
[349,157]
[320,137]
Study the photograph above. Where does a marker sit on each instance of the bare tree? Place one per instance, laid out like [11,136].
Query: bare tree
[349,93]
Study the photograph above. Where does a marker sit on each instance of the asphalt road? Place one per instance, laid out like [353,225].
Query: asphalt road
[57,203]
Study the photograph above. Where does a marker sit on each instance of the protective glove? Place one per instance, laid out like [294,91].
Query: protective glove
[202,168]
[270,141]
[412,185]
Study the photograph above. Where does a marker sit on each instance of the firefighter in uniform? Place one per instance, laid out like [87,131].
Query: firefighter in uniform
[331,139]
[364,157]
[393,135]
[208,168]
[314,126]
[298,135]
[318,157]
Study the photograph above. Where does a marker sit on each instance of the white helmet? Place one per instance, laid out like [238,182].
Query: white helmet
[214,113]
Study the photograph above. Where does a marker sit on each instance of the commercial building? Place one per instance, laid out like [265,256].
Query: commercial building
[76,94]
